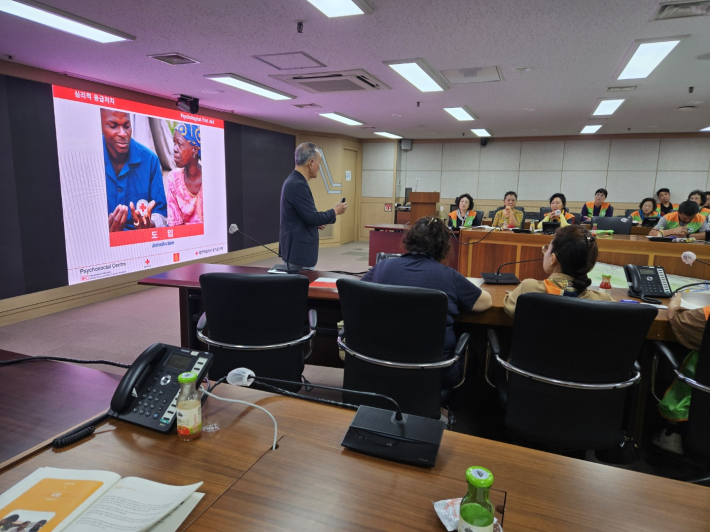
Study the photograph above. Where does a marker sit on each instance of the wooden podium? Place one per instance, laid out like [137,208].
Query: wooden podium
[423,204]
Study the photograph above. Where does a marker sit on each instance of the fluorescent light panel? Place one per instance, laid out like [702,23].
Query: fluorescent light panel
[418,73]
[341,8]
[388,135]
[706,129]
[244,84]
[481,132]
[646,58]
[63,21]
[588,130]
[607,107]
[460,113]
[341,118]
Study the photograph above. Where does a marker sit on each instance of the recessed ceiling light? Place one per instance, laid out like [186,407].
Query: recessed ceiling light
[244,84]
[212,91]
[622,89]
[607,107]
[646,57]
[462,114]
[481,132]
[697,102]
[529,109]
[522,69]
[395,115]
[341,118]
[63,21]
[388,135]
[706,129]
[419,74]
[586,130]
[342,8]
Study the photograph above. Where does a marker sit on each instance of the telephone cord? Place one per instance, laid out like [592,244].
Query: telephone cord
[61,359]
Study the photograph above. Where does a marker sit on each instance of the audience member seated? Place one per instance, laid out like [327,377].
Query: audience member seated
[646,210]
[683,222]
[568,259]
[688,326]
[707,199]
[462,217]
[558,202]
[427,245]
[664,202]
[699,197]
[598,207]
[509,216]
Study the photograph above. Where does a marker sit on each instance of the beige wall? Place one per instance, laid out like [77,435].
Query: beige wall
[379,181]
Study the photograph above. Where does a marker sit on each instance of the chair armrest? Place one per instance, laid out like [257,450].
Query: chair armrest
[493,341]
[663,349]
[202,323]
[462,344]
[312,318]
[493,345]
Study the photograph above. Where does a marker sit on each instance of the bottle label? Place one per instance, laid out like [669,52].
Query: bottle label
[465,527]
[189,418]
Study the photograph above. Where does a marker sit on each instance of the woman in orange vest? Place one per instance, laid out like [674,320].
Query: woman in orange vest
[462,217]
[598,207]
[568,259]
[699,197]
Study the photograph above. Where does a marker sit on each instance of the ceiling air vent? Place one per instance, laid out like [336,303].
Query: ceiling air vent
[622,89]
[174,59]
[682,9]
[308,106]
[345,81]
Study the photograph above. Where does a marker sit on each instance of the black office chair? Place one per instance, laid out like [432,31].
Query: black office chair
[696,439]
[629,212]
[384,256]
[257,322]
[394,340]
[566,384]
[544,211]
[620,226]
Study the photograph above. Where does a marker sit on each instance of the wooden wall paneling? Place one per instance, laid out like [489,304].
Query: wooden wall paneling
[372,212]
[531,270]
[609,257]
[674,265]
[490,257]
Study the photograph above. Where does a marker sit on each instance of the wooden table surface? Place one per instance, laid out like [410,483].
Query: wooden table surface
[47,399]
[311,483]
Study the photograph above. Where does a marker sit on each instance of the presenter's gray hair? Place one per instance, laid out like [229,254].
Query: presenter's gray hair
[305,152]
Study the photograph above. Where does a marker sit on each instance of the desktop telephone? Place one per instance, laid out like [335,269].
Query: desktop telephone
[147,393]
[647,281]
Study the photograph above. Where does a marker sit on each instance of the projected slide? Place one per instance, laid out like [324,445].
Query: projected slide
[142,186]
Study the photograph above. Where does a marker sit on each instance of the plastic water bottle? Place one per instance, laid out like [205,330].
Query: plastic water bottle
[476,513]
[189,409]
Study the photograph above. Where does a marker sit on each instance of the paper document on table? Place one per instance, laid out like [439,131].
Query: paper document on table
[323,282]
[478,281]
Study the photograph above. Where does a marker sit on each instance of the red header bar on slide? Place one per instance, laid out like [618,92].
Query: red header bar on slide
[103,100]
[139,236]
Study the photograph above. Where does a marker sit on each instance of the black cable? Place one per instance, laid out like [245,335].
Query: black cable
[688,286]
[79,433]
[269,387]
[60,359]
[347,273]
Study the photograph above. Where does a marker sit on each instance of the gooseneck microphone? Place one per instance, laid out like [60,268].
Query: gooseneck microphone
[505,278]
[374,431]
[278,268]
[689,258]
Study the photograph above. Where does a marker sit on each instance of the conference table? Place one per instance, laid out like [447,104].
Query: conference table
[311,483]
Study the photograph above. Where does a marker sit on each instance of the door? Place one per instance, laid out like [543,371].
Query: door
[347,220]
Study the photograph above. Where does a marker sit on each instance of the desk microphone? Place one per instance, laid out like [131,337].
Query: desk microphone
[689,258]
[374,431]
[505,278]
[278,268]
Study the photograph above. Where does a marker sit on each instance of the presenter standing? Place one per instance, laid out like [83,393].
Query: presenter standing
[300,220]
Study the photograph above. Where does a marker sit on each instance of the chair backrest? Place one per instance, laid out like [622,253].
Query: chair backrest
[579,341]
[544,211]
[620,226]
[628,212]
[697,435]
[256,310]
[478,219]
[384,256]
[396,324]
[577,217]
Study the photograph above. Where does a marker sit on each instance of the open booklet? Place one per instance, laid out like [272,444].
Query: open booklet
[75,500]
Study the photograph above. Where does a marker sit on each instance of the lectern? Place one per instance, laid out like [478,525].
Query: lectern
[423,204]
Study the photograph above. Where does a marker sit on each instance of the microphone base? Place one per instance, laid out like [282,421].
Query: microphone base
[415,440]
[282,268]
[500,278]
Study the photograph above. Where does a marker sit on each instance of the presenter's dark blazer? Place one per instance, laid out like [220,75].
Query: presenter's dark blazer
[298,232]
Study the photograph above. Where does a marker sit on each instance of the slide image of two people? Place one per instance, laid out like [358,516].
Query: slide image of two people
[153,171]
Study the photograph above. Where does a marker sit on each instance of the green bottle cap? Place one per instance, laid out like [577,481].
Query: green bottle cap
[189,376]
[479,477]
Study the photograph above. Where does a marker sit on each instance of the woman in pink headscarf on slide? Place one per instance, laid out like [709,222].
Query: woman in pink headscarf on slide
[184,190]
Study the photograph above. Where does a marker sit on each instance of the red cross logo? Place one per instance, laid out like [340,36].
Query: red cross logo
[142,208]
[196,253]
[147,261]
[84,277]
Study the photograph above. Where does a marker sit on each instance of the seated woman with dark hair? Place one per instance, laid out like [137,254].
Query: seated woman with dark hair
[558,202]
[427,245]
[647,209]
[568,259]
[699,197]
[462,217]
[509,216]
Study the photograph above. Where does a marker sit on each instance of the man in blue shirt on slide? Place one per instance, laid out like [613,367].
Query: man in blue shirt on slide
[132,174]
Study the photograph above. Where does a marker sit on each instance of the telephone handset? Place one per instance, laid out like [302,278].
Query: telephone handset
[147,393]
[647,281]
